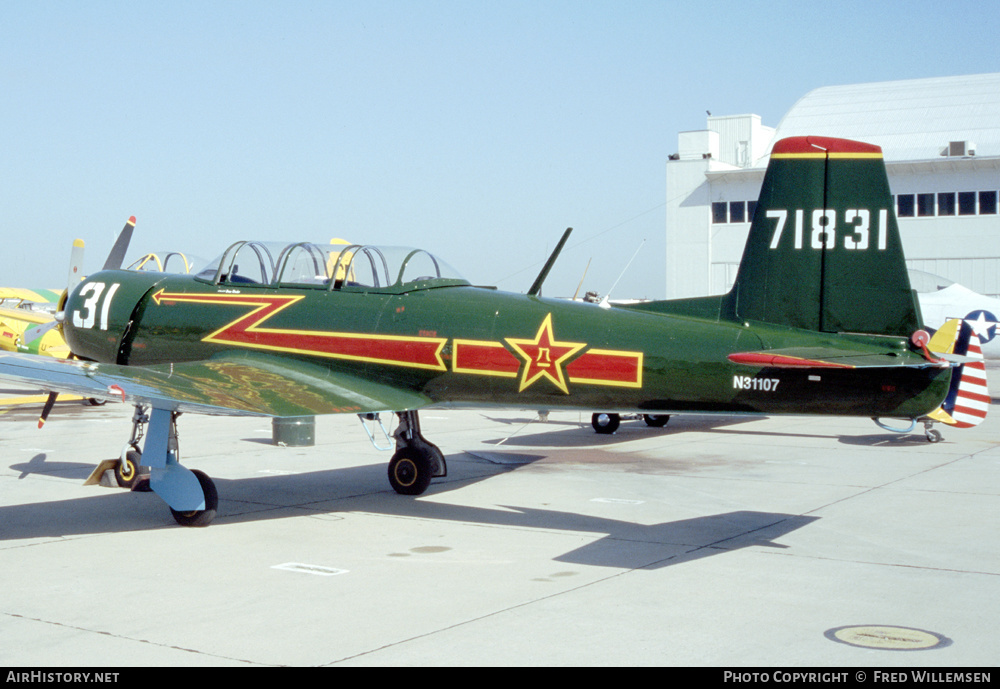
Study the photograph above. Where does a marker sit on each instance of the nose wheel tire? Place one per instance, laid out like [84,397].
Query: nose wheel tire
[410,471]
[656,420]
[127,471]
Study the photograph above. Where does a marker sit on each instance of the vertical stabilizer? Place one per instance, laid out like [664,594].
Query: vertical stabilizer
[824,251]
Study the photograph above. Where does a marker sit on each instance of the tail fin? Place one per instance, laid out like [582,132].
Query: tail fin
[968,398]
[824,251]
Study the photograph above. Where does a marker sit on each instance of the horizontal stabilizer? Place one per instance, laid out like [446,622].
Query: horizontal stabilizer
[828,357]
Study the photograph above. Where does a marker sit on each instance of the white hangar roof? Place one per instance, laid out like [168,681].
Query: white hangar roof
[915,119]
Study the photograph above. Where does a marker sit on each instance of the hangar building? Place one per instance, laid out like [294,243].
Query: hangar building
[941,142]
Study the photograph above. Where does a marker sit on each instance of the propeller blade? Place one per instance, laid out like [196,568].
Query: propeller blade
[118,251]
[47,408]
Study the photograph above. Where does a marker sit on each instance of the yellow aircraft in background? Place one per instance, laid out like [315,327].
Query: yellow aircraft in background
[31,332]
[26,328]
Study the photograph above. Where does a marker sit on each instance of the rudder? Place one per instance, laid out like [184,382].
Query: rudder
[968,398]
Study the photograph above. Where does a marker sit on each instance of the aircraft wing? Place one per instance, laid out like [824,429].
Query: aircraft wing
[38,296]
[829,357]
[25,316]
[228,386]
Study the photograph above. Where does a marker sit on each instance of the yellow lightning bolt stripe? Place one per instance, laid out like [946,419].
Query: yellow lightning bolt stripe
[246,331]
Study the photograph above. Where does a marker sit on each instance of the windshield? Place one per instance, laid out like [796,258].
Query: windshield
[334,266]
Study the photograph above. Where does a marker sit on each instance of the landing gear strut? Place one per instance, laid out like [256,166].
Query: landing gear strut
[191,495]
[416,460]
[129,468]
[933,435]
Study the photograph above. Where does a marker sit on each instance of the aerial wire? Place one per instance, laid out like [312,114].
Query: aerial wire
[590,238]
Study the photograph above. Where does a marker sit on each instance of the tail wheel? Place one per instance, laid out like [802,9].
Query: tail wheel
[605,423]
[656,420]
[127,471]
[410,471]
[200,517]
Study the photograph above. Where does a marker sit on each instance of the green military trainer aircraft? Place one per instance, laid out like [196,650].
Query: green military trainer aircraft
[821,320]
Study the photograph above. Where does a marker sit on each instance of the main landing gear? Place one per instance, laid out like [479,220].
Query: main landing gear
[609,423]
[416,460]
[191,495]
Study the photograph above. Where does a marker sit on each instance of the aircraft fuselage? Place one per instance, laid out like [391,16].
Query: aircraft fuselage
[470,346]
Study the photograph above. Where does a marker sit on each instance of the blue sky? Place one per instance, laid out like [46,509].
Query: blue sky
[477,130]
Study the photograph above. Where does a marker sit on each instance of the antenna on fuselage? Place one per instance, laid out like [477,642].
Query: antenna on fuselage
[536,286]
[604,302]
[580,286]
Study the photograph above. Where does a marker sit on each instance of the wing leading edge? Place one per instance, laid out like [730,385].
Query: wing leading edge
[227,386]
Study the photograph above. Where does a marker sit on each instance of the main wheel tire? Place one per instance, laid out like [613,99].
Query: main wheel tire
[200,517]
[656,420]
[410,471]
[605,423]
[127,472]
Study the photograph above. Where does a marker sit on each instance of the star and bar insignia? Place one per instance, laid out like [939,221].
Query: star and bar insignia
[544,356]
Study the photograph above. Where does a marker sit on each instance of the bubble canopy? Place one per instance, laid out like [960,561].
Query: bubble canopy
[347,267]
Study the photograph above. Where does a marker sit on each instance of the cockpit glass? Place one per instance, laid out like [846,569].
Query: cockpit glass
[243,263]
[334,266]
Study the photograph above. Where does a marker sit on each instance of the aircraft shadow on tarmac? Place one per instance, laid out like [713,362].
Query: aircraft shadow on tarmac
[574,434]
[915,439]
[569,434]
[337,493]
[39,464]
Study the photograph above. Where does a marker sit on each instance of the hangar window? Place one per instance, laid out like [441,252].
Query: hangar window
[751,207]
[987,203]
[737,211]
[966,203]
[925,205]
[946,203]
[904,206]
[719,212]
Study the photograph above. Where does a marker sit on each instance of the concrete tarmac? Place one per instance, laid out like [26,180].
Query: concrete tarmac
[715,541]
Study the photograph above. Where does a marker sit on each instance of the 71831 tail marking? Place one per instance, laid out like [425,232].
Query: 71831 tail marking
[824,228]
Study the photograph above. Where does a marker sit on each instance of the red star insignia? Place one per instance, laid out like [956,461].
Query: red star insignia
[544,356]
